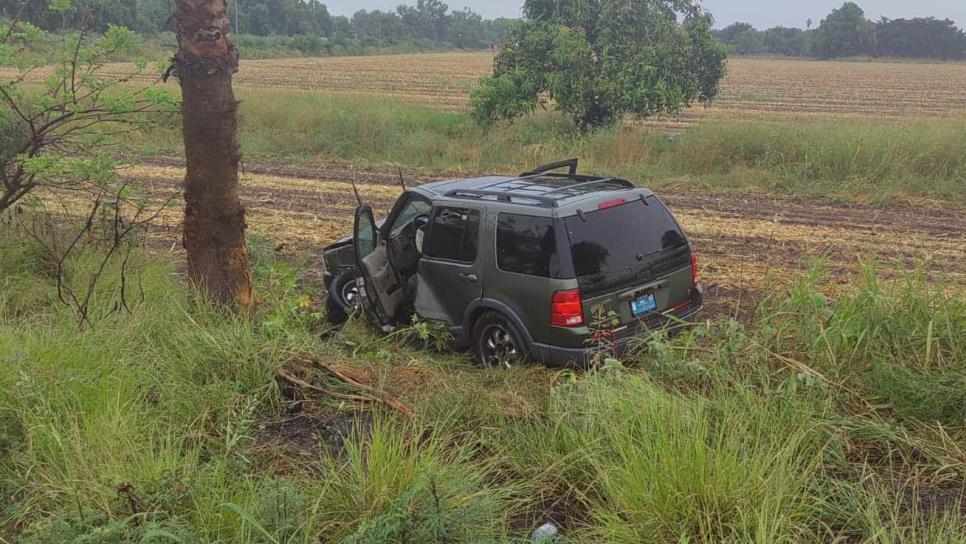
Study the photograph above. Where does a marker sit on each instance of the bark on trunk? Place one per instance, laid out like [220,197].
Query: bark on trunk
[214,225]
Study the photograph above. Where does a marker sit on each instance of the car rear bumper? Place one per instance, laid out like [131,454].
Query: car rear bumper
[562,356]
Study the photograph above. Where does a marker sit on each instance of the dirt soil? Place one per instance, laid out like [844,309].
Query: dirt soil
[747,243]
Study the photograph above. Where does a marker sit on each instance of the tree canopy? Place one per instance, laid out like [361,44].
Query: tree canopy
[598,60]
[307,27]
[846,33]
[920,38]
[427,20]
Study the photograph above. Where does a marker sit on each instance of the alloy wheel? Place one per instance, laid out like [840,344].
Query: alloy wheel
[350,295]
[498,348]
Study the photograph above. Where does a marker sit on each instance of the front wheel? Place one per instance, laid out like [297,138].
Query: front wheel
[344,297]
[497,343]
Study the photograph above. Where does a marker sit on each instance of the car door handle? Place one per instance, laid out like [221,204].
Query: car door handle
[469,278]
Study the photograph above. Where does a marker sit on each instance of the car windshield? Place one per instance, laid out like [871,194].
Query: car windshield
[610,246]
[414,208]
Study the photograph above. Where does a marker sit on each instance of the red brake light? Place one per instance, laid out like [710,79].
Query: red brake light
[566,309]
[611,203]
[695,273]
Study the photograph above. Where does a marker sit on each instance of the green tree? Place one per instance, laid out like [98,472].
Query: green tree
[598,60]
[844,33]
[920,38]
[731,32]
[427,20]
[788,42]
[466,30]
[56,136]
[61,141]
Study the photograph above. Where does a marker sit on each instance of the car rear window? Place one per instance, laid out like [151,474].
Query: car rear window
[527,245]
[620,240]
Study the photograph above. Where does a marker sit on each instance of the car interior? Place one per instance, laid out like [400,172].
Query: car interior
[392,265]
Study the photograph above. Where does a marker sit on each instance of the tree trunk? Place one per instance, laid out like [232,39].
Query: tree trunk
[214,224]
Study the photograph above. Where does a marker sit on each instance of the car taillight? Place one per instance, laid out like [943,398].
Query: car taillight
[695,273]
[566,309]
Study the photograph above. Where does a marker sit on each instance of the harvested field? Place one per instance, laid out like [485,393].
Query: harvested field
[754,89]
[746,241]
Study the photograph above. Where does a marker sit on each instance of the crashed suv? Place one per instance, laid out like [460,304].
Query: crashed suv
[520,268]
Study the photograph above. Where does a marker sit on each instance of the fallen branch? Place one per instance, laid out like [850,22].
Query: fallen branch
[368,393]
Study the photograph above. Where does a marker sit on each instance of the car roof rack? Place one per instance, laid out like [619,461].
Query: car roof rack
[582,184]
[504,196]
[543,169]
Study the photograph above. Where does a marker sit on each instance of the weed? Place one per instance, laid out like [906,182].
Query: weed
[290,303]
[433,335]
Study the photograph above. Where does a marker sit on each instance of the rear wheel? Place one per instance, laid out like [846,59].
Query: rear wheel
[344,297]
[497,343]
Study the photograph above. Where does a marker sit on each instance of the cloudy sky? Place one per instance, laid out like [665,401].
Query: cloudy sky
[761,13]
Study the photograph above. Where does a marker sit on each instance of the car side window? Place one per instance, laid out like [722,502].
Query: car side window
[414,208]
[527,245]
[453,235]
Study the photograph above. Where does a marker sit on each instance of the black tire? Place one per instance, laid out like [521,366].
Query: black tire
[343,297]
[497,343]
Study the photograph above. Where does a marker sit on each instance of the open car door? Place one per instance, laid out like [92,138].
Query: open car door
[380,289]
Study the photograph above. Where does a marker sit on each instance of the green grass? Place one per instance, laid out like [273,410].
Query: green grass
[647,465]
[158,425]
[869,159]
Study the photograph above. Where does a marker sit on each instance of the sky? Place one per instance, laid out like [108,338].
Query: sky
[760,13]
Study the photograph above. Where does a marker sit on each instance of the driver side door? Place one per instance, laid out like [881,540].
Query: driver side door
[379,285]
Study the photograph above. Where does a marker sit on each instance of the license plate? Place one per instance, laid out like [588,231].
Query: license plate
[643,305]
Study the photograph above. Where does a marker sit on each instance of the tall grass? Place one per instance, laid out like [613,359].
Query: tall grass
[645,465]
[155,425]
[903,341]
[144,426]
[868,158]
[400,480]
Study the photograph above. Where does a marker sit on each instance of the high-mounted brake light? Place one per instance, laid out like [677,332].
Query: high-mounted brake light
[566,309]
[695,272]
[611,203]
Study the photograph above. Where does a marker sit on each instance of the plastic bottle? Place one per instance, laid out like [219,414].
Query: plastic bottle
[545,533]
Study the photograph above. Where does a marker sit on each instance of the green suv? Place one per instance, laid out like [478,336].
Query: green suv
[520,268]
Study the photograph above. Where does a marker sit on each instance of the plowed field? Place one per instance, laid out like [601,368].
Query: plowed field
[754,89]
[746,243]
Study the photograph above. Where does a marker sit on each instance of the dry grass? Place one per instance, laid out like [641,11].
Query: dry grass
[746,251]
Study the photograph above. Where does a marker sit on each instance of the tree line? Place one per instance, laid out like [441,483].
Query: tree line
[429,21]
[846,32]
